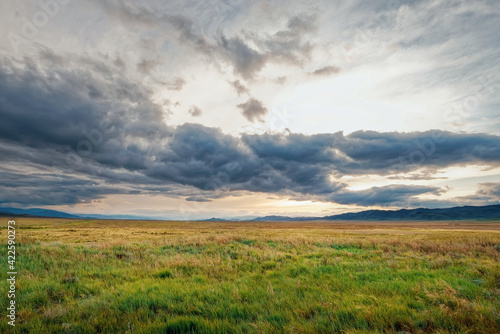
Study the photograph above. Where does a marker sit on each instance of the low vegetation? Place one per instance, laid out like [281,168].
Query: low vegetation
[80,276]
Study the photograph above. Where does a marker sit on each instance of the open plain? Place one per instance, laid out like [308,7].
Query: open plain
[115,276]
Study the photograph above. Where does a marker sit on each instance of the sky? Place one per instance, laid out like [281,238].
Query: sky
[231,109]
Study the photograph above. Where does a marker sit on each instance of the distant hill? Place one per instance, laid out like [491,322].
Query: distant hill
[283,218]
[9,212]
[214,220]
[35,212]
[456,213]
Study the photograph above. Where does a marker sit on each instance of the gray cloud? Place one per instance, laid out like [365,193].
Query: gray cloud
[487,193]
[253,110]
[197,199]
[246,52]
[327,71]
[290,45]
[176,84]
[285,46]
[120,63]
[50,189]
[239,87]
[392,195]
[195,111]
[246,60]
[147,65]
[489,190]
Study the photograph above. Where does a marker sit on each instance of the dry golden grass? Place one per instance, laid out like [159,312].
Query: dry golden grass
[442,236]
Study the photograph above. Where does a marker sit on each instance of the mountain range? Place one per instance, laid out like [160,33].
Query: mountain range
[455,213]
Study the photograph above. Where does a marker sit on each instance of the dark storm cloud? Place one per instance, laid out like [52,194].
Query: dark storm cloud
[47,115]
[393,195]
[50,189]
[201,157]
[369,152]
[253,110]
[294,147]
[394,151]
[59,108]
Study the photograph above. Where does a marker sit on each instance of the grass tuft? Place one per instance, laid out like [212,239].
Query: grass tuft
[166,273]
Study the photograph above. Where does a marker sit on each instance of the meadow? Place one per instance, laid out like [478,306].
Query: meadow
[98,276]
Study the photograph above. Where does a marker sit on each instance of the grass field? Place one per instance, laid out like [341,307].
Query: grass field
[80,276]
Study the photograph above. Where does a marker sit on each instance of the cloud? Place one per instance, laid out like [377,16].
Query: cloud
[239,87]
[489,190]
[380,153]
[57,123]
[327,71]
[197,199]
[246,60]
[120,63]
[487,193]
[392,195]
[195,111]
[288,46]
[253,110]
[393,151]
[147,65]
[247,52]
[176,84]
[50,189]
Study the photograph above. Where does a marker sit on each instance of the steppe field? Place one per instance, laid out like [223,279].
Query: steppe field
[98,276]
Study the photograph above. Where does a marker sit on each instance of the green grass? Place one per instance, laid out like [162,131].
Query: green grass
[269,281]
